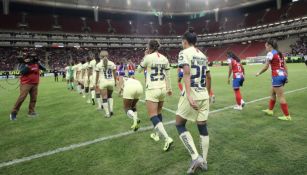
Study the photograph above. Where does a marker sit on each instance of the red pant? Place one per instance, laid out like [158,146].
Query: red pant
[26,89]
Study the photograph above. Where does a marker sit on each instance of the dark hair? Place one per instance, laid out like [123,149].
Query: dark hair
[190,36]
[153,45]
[230,54]
[273,43]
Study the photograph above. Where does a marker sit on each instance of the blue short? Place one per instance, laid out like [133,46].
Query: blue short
[237,83]
[121,74]
[180,74]
[130,73]
[278,81]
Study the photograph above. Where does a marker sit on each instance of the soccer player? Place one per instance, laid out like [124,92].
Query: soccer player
[236,68]
[120,69]
[131,69]
[78,68]
[279,69]
[74,68]
[106,74]
[85,78]
[131,90]
[158,84]
[194,102]
[95,92]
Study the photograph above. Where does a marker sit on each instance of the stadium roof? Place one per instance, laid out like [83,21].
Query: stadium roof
[169,7]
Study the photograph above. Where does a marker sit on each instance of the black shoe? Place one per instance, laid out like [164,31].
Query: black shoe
[32,115]
[111,113]
[13,116]
[93,101]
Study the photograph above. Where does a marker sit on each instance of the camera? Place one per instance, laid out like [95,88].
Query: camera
[28,58]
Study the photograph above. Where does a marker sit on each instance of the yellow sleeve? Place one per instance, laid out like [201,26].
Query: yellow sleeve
[183,59]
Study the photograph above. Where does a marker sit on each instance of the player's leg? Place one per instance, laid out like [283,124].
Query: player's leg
[188,142]
[180,85]
[24,90]
[104,95]
[33,97]
[92,91]
[110,101]
[204,141]
[152,108]
[87,94]
[272,102]
[283,103]
[98,98]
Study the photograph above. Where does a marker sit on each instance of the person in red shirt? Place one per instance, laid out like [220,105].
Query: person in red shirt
[29,80]
[236,68]
[279,70]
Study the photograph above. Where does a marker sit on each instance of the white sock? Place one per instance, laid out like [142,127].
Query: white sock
[93,93]
[132,116]
[79,88]
[106,108]
[204,145]
[99,102]
[110,101]
[188,142]
[160,128]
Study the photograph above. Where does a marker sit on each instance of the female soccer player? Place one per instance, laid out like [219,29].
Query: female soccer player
[131,90]
[278,65]
[106,74]
[236,68]
[92,73]
[158,84]
[193,104]
[131,69]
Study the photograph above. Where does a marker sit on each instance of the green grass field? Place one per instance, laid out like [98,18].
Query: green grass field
[244,142]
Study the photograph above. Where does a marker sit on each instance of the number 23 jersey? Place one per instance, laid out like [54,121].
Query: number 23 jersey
[157,65]
[198,64]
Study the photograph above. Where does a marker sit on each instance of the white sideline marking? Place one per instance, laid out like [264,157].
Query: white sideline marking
[101,139]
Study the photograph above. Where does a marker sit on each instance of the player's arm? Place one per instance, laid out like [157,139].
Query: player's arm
[187,83]
[142,65]
[97,77]
[286,68]
[114,73]
[269,57]
[168,80]
[229,72]
[208,81]
[265,68]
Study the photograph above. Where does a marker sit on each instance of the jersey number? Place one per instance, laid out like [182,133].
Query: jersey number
[200,73]
[155,73]
[107,74]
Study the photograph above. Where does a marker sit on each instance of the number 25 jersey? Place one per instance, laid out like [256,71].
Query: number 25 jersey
[198,64]
[157,65]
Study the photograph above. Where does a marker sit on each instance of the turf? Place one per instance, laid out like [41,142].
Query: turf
[244,142]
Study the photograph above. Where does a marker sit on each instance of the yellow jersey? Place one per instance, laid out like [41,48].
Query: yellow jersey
[157,67]
[198,64]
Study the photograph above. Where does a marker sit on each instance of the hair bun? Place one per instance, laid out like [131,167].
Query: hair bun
[191,29]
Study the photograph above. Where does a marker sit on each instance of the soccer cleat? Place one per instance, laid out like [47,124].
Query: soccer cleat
[111,113]
[136,126]
[285,118]
[88,101]
[83,96]
[268,112]
[238,107]
[155,136]
[13,116]
[198,163]
[168,143]
[33,114]
[107,116]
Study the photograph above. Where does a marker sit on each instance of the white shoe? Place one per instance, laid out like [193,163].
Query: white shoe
[238,107]
[83,96]
[88,101]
